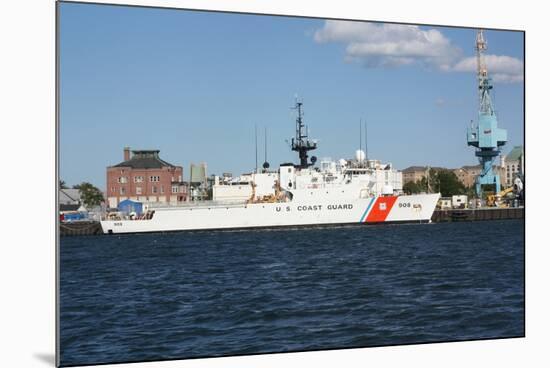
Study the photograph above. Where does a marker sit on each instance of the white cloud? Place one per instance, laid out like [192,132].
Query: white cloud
[501,68]
[389,44]
[393,45]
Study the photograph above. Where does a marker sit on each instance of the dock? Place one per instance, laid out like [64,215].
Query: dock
[80,228]
[478,214]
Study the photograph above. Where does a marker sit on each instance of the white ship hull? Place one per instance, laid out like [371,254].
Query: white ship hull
[383,209]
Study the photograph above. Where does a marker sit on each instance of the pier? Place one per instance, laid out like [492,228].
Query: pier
[478,214]
[80,228]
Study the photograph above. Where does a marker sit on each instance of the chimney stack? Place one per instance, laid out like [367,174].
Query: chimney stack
[126,153]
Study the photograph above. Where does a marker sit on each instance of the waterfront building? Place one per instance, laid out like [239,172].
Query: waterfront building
[144,177]
[514,164]
[69,199]
[416,173]
[467,174]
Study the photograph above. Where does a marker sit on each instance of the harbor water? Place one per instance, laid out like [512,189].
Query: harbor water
[198,294]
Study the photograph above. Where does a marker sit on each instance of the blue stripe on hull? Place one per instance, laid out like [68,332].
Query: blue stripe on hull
[367,210]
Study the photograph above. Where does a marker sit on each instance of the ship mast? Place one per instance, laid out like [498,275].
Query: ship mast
[301,143]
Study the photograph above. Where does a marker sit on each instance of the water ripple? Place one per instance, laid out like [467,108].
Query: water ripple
[182,295]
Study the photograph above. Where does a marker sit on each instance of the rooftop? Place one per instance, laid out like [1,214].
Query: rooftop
[145,159]
[474,167]
[469,167]
[414,168]
[515,153]
[421,168]
[69,196]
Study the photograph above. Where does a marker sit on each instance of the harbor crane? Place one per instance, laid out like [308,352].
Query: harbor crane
[486,136]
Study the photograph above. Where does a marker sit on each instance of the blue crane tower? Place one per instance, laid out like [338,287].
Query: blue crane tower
[487,137]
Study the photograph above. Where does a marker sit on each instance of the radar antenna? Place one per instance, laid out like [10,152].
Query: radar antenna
[301,143]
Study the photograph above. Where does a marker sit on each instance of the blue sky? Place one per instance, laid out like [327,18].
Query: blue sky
[194,84]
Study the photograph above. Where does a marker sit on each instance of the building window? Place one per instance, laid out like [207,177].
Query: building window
[154,179]
[138,190]
[122,179]
[138,179]
[175,189]
[162,189]
[154,189]
[179,178]
[113,189]
[122,191]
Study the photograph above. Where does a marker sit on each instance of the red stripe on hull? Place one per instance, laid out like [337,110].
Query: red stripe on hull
[381,209]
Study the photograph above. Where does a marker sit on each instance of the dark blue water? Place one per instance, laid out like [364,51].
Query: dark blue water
[183,295]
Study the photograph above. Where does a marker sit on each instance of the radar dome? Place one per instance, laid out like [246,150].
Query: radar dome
[360,155]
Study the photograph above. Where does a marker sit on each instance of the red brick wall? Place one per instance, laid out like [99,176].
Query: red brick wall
[166,175]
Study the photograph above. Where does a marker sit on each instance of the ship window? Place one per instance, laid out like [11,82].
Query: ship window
[289,169]
[289,184]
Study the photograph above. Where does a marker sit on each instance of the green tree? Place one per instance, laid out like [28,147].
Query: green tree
[471,191]
[412,187]
[89,194]
[437,180]
[447,183]
[62,184]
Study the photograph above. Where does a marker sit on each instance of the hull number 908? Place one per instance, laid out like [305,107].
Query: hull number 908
[405,205]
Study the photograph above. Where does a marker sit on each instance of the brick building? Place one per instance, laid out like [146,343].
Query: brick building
[468,174]
[143,176]
[413,173]
[416,173]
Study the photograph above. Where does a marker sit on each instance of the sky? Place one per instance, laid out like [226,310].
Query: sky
[195,84]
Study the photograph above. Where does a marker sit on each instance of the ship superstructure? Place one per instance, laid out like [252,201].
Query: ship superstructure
[342,179]
[344,191]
